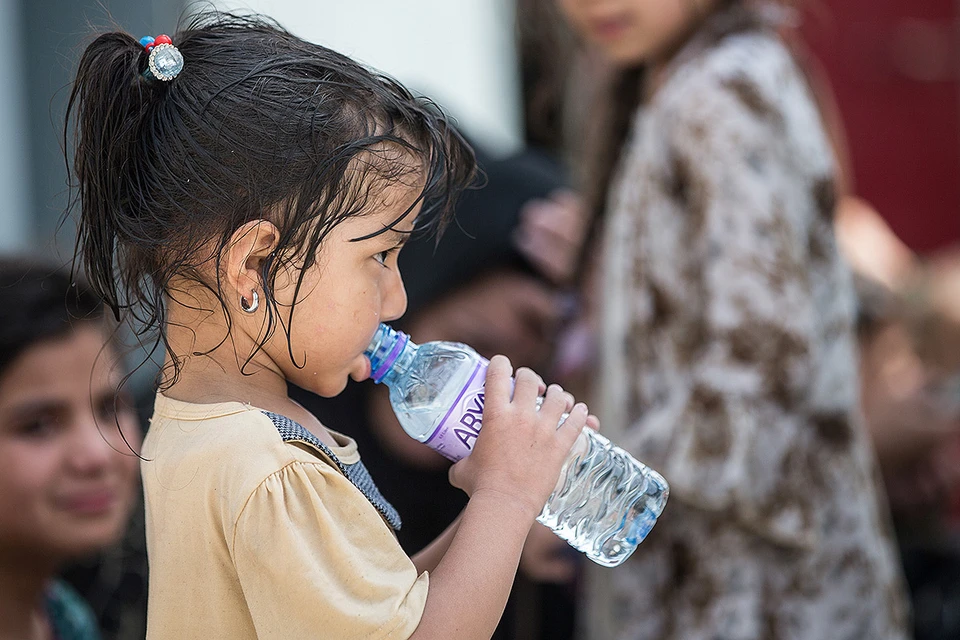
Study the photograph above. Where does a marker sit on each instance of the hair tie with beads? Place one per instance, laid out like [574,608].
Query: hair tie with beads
[165,62]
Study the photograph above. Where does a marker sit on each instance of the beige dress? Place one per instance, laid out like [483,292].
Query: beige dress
[729,364]
[258,531]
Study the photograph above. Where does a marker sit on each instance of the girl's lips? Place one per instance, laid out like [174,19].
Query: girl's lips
[609,28]
[364,372]
[90,503]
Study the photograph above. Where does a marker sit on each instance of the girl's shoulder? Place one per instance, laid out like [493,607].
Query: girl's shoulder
[218,425]
[228,444]
[755,68]
[743,91]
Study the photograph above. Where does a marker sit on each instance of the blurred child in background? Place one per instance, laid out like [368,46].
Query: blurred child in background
[728,353]
[67,468]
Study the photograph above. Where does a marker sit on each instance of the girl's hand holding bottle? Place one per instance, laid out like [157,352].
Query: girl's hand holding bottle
[603,502]
[520,450]
[511,471]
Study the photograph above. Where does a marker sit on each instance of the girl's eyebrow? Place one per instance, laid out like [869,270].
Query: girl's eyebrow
[399,235]
[35,406]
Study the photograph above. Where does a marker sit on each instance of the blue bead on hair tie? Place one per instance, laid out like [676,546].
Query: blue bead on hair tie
[146,41]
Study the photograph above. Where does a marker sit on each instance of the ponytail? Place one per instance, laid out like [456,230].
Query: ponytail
[109,103]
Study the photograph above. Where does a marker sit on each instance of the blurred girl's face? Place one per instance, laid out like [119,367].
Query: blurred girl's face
[631,32]
[67,479]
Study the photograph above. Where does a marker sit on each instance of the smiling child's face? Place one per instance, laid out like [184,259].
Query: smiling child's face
[353,287]
[67,479]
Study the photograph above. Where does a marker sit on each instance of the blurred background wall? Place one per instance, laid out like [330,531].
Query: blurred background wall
[460,53]
[40,42]
[895,68]
[15,174]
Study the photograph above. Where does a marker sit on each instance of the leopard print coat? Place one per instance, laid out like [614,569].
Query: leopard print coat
[729,364]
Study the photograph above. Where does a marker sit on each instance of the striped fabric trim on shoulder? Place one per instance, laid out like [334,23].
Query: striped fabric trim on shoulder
[356,473]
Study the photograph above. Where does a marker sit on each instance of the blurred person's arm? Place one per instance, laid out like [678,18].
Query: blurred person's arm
[908,412]
[871,247]
[909,338]
[551,234]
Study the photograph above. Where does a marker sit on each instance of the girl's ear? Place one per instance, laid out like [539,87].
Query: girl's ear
[249,247]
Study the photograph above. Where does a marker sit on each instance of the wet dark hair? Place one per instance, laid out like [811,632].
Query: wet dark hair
[259,125]
[40,302]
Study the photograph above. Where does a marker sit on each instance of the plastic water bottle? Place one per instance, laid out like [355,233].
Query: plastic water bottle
[605,501]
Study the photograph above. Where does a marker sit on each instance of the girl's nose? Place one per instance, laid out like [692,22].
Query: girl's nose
[395,299]
[90,451]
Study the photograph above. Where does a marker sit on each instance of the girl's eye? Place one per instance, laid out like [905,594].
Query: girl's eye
[39,427]
[112,408]
[383,256]
[107,410]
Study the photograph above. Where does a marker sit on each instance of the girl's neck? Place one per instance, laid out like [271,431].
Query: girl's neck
[217,364]
[223,376]
[203,380]
[22,611]
[220,370]
[206,379]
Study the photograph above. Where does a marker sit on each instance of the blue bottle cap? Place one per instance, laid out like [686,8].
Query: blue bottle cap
[385,347]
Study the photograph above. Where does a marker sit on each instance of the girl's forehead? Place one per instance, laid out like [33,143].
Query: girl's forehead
[397,205]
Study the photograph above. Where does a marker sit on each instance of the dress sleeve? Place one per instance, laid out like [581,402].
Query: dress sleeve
[740,438]
[315,560]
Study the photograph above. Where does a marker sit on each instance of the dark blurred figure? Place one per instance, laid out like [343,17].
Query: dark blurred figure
[474,286]
[909,329]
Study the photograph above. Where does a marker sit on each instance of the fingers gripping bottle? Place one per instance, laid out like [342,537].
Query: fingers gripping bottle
[605,501]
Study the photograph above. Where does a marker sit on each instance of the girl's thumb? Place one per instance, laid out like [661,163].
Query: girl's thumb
[455,474]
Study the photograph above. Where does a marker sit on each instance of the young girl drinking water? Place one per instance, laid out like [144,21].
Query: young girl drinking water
[245,194]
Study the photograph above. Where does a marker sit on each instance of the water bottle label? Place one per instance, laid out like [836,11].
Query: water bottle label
[456,434]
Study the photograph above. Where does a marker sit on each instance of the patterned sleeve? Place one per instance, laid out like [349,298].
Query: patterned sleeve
[739,435]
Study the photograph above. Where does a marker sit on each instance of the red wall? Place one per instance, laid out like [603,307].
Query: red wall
[895,69]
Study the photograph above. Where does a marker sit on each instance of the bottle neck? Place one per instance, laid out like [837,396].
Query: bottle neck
[390,353]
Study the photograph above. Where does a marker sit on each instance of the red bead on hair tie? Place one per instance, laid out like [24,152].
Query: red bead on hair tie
[162,39]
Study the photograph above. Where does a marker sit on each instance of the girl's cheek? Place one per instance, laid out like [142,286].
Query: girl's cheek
[25,471]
